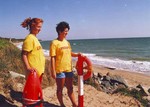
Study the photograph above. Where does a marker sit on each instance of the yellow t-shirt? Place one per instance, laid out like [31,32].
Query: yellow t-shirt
[35,57]
[62,51]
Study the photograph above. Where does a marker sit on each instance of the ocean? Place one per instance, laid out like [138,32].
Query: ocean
[131,54]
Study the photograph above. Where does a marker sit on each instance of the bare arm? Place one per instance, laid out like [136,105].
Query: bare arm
[53,72]
[25,60]
[75,54]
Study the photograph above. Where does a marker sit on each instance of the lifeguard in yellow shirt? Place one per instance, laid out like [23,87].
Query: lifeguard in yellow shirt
[32,53]
[61,63]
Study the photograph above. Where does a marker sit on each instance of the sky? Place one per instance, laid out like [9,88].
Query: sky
[88,19]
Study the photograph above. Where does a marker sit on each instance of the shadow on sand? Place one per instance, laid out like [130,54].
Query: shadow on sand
[15,95]
[5,102]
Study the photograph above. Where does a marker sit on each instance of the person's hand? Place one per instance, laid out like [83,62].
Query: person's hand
[80,54]
[31,69]
[54,75]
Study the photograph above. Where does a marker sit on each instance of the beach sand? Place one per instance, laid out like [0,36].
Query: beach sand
[95,98]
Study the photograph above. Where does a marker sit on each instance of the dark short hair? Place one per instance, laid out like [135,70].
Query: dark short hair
[61,26]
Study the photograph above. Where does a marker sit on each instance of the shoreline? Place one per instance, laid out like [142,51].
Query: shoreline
[136,66]
[133,78]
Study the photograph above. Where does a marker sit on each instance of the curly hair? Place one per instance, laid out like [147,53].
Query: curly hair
[61,26]
[29,22]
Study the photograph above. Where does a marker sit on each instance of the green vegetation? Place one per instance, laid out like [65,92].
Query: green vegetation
[133,93]
[10,60]
[11,39]
[10,57]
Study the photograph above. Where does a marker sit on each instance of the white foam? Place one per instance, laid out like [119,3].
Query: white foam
[129,65]
[136,66]
[89,54]
[46,52]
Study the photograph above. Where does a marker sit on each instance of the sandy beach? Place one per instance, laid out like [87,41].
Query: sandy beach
[95,98]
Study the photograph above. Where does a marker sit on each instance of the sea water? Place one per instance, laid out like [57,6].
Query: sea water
[131,54]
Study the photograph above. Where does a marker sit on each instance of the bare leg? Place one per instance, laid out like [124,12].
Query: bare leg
[69,85]
[60,84]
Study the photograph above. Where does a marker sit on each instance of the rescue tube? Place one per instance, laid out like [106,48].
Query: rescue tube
[32,93]
[83,64]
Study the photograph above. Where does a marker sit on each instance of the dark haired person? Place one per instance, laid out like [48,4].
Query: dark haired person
[61,63]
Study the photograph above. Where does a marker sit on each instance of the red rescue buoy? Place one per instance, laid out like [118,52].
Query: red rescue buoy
[32,93]
[83,60]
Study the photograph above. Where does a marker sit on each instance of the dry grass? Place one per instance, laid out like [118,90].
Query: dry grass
[10,57]
[10,60]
